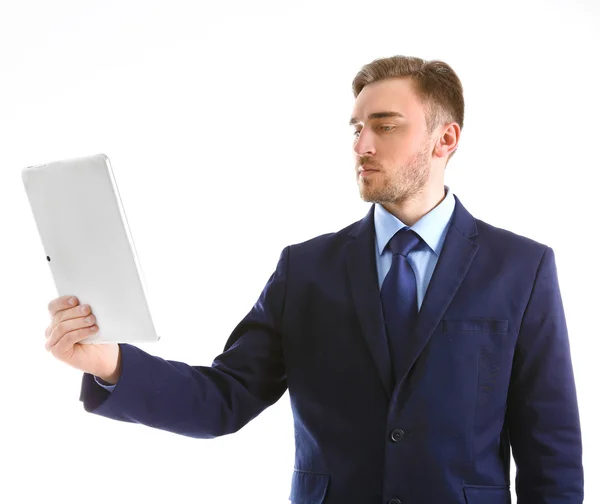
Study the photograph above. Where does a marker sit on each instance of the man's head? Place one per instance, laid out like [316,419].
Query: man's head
[408,149]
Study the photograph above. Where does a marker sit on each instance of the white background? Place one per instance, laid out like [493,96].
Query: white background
[227,130]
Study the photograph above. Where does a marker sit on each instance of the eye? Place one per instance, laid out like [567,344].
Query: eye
[385,128]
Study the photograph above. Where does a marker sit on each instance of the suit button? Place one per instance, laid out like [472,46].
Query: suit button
[394,501]
[397,435]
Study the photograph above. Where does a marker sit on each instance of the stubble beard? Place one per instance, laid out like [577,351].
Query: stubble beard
[402,184]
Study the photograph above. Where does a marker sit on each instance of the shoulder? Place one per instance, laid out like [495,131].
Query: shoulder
[324,243]
[503,242]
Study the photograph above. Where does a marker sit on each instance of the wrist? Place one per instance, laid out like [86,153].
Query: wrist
[112,377]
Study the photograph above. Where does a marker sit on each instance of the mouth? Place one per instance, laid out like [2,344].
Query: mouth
[366,170]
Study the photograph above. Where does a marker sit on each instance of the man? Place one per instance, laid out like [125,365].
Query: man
[418,344]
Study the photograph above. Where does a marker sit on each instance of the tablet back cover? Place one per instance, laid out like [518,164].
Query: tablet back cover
[88,245]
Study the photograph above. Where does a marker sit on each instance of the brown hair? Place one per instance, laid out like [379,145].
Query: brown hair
[436,84]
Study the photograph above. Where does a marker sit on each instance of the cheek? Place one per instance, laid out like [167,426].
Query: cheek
[403,148]
[399,151]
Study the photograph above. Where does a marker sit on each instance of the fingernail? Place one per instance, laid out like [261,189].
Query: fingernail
[72,301]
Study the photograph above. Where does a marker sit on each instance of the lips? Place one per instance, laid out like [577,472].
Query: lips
[366,169]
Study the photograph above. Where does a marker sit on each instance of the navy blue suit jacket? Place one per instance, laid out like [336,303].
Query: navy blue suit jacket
[487,369]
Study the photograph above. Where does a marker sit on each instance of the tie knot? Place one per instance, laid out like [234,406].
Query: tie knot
[404,242]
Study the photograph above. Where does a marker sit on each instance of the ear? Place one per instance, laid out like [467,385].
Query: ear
[447,142]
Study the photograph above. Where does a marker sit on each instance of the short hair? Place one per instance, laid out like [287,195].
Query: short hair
[436,84]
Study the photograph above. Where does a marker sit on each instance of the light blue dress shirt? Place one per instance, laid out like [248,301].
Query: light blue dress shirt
[432,228]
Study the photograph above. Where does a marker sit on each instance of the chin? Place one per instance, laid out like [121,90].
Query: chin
[369,196]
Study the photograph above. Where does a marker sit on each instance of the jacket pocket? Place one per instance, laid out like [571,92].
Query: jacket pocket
[487,494]
[476,325]
[308,487]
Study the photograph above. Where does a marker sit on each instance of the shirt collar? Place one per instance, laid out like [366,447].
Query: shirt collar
[431,227]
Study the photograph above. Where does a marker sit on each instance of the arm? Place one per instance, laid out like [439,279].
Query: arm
[203,401]
[542,412]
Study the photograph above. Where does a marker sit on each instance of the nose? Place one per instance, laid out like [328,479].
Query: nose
[363,145]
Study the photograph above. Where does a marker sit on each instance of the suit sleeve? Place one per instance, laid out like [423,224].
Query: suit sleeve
[542,411]
[203,401]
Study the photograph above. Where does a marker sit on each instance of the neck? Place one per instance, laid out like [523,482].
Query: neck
[409,211]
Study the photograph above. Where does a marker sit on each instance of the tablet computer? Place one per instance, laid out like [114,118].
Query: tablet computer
[88,245]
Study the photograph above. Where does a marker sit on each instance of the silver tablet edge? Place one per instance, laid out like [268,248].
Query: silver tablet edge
[130,238]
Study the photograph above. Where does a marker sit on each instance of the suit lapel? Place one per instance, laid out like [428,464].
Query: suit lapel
[362,271]
[453,264]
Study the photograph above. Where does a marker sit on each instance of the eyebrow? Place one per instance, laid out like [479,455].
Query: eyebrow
[377,115]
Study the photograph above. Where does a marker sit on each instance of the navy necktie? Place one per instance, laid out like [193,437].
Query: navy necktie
[399,295]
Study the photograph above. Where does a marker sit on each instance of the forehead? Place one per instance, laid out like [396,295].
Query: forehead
[394,94]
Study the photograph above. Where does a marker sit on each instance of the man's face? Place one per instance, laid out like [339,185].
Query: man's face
[393,153]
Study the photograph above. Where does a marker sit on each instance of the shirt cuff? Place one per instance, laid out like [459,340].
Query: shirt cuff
[104,384]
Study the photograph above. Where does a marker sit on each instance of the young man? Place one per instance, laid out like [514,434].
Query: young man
[418,344]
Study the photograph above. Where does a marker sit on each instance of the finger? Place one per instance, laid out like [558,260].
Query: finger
[79,311]
[61,303]
[69,340]
[66,326]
